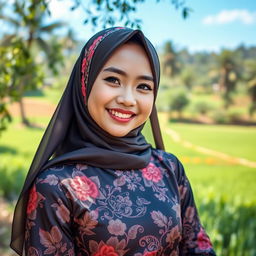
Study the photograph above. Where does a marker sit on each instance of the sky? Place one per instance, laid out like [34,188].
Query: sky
[211,26]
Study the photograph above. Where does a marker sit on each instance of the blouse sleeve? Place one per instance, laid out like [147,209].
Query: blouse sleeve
[48,225]
[195,241]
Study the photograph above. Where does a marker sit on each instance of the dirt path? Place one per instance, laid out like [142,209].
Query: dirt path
[33,108]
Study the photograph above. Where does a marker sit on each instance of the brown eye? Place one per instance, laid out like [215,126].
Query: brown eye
[144,87]
[112,80]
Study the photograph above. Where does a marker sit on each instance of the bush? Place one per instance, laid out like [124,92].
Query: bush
[202,107]
[12,178]
[231,225]
[220,117]
[235,116]
[179,101]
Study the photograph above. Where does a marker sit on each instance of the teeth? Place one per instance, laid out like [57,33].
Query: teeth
[120,115]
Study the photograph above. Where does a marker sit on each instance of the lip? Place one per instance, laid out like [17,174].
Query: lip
[119,119]
[123,111]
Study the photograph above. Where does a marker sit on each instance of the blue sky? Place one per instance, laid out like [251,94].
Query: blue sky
[211,26]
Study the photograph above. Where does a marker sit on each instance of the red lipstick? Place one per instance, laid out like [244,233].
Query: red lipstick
[113,112]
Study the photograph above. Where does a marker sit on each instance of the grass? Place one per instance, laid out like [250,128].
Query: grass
[208,173]
[237,141]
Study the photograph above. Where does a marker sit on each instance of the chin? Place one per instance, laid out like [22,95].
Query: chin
[118,134]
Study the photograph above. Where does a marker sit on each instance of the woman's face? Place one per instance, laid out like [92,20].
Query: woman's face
[122,95]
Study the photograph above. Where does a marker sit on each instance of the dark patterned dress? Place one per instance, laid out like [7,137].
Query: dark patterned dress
[83,210]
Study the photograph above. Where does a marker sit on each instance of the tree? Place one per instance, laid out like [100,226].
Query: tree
[250,66]
[228,75]
[171,66]
[179,101]
[15,62]
[187,77]
[107,12]
[29,16]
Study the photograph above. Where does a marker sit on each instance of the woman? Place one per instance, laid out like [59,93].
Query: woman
[95,186]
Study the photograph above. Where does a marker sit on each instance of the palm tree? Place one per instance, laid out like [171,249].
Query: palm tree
[28,24]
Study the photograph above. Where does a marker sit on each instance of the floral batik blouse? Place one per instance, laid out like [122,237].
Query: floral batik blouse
[80,210]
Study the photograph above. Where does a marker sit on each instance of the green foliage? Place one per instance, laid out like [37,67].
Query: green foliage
[219,116]
[202,107]
[107,13]
[19,73]
[231,224]
[179,101]
[22,68]
[12,179]
[171,65]
[188,77]
[234,115]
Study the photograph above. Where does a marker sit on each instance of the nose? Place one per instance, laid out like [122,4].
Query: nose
[126,97]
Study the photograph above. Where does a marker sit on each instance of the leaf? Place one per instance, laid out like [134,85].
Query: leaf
[132,233]
[56,234]
[93,246]
[159,219]
[113,241]
[45,238]
[142,201]
[51,180]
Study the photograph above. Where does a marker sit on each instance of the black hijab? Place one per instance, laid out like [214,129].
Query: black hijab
[72,136]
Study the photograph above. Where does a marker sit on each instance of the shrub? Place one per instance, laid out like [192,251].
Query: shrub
[202,107]
[12,178]
[231,225]
[220,117]
[235,116]
[179,101]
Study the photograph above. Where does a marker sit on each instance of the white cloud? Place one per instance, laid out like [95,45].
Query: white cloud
[229,16]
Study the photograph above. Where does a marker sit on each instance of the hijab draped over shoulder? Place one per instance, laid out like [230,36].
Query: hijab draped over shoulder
[72,136]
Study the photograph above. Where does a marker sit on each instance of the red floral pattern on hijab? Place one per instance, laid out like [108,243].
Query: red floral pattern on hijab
[87,60]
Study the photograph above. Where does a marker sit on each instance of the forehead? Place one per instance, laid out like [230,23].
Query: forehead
[130,56]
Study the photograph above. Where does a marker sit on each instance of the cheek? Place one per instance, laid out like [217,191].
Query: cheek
[147,104]
[99,97]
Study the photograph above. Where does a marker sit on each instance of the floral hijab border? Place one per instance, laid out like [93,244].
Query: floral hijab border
[87,60]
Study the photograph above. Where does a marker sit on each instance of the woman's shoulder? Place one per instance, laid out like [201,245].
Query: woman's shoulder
[162,155]
[170,161]
[56,173]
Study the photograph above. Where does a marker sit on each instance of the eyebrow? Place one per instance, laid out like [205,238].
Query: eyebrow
[123,73]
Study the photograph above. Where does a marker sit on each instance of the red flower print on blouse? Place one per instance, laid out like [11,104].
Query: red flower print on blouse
[203,241]
[32,203]
[106,250]
[84,188]
[154,253]
[151,172]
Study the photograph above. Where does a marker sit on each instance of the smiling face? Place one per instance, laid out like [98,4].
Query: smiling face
[122,96]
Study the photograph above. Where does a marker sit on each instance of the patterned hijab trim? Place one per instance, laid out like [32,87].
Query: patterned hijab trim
[86,63]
